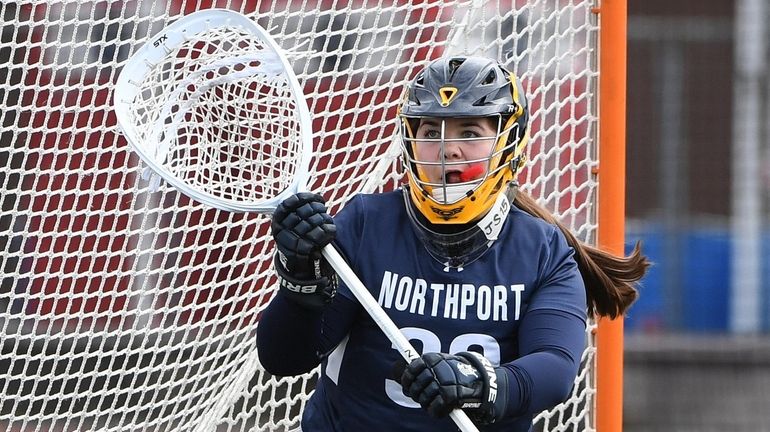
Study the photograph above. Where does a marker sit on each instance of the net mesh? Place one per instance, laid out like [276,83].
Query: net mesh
[218,114]
[126,307]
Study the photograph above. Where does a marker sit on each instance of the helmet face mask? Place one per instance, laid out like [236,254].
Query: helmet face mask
[451,158]
[464,128]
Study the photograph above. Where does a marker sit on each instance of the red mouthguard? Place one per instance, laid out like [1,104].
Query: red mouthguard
[472,173]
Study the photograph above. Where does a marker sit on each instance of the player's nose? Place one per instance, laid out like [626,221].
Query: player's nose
[452,150]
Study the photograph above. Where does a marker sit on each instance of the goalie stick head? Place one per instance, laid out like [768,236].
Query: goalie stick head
[213,107]
[462,188]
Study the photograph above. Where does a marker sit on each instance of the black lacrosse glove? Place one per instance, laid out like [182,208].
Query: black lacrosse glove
[442,382]
[301,228]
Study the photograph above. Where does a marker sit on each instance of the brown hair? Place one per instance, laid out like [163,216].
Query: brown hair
[610,280]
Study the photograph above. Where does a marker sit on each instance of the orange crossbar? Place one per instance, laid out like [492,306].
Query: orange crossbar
[611,212]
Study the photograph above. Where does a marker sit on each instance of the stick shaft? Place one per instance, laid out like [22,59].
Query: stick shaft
[384,322]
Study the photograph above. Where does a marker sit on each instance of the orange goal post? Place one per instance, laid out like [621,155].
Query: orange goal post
[611,227]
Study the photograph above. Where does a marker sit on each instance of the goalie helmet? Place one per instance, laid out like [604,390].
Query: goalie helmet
[451,196]
[462,88]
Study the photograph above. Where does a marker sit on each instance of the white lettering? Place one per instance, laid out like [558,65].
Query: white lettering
[298,288]
[492,382]
[517,290]
[418,297]
[451,302]
[404,293]
[387,289]
[467,298]
[500,311]
[484,308]
[437,288]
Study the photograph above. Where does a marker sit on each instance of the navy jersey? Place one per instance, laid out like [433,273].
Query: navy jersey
[529,270]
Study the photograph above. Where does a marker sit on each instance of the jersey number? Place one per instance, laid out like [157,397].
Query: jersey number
[431,343]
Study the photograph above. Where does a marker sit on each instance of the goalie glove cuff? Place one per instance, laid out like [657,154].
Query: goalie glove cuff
[311,294]
[494,396]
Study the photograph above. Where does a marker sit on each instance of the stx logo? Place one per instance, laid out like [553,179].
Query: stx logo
[156,43]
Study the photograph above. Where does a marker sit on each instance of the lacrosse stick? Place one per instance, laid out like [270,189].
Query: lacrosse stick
[212,106]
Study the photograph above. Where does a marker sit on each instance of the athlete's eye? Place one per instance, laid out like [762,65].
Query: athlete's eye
[469,134]
[431,134]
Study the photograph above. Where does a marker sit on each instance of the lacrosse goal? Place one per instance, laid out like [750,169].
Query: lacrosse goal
[126,306]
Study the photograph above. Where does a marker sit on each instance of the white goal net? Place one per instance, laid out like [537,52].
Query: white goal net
[125,306]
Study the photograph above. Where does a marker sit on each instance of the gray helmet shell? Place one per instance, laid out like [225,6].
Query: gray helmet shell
[460,87]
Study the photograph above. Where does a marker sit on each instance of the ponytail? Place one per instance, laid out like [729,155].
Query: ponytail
[609,280]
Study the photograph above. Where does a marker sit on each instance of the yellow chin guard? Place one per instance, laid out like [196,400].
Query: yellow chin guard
[478,201]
